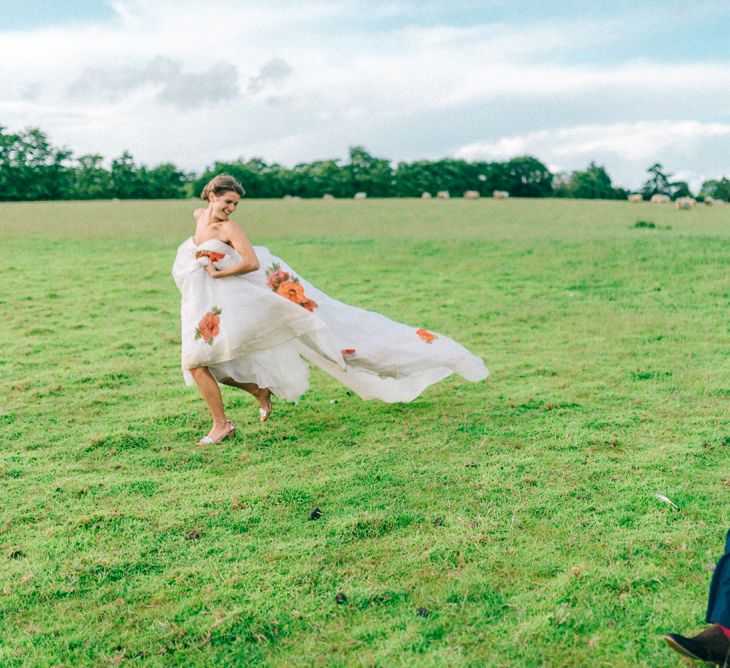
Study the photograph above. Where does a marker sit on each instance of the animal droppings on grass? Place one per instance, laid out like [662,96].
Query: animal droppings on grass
[193,535]
[471,465]
[315,514]
[423,612]
[439,522]
[340,598]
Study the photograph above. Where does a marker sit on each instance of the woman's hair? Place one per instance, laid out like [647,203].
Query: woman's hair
[220,184]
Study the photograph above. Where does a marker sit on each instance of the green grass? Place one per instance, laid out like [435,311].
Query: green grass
[121,542]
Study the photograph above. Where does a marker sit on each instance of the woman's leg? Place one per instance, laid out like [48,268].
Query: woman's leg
[208,387]
[262,394]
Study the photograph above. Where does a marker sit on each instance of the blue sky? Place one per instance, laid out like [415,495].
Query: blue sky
[29,14]
[622,83]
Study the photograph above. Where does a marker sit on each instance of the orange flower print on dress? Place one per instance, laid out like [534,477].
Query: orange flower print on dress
[292,291]
[287,285]
[211,255]
[428,337]
[209,326]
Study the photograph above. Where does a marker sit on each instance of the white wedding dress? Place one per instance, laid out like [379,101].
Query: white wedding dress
[257,327]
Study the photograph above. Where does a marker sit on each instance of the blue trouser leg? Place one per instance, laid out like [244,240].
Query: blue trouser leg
[718,602]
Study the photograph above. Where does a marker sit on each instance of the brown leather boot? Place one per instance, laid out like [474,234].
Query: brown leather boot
[712,645]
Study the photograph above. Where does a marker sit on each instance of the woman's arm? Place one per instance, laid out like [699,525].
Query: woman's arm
[240,242]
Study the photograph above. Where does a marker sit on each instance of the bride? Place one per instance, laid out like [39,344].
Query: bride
[248,320]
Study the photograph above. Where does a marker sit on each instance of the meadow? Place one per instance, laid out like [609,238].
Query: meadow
[512,522]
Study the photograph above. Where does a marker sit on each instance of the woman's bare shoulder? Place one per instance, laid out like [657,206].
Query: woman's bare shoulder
[232,230]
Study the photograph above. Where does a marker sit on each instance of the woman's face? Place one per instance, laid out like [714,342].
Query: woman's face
[223,205]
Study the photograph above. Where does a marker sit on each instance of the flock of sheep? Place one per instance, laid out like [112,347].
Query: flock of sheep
[680,203]
[441,194]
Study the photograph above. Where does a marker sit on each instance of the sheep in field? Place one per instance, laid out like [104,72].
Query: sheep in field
[686,203]
[471,194]
[500,194]
[425,195]
[635,197]
[360,195]
[442,194]
[660,199]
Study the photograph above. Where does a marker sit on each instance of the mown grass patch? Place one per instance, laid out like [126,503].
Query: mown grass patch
[520,514]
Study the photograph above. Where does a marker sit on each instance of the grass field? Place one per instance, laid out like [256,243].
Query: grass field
[123,543]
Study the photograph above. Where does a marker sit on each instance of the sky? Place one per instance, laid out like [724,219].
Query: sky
[622,83]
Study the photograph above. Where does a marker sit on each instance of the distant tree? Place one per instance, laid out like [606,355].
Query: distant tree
[32,169]
[128,181]
[370,174]
[658,182]
[91,179]
[249,175]
[680,189]
[523,177]
[716,188]
[414,178]
[590,183]
[322,177]
[166,182]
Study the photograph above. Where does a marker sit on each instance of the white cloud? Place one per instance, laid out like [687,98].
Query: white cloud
[633,141]
[288,81]
[275,72]
[165,76]
[618,144]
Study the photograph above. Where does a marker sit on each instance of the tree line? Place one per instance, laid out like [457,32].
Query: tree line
[31,168]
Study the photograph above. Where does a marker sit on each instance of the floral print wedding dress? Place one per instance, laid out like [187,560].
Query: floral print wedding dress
[261,326]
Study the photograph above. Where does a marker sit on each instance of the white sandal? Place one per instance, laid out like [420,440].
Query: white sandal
[207,440]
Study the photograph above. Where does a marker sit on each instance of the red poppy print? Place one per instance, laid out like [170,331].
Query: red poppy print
[209,326]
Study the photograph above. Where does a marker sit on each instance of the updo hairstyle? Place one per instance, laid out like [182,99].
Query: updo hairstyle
[220,184]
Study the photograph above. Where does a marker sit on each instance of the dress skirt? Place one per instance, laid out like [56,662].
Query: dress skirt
[260,328]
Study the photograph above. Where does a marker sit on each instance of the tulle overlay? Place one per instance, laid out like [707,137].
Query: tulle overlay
[256,328]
